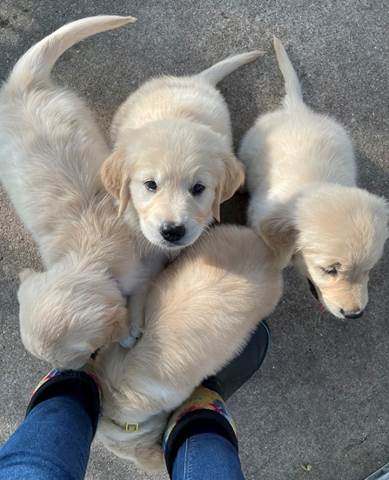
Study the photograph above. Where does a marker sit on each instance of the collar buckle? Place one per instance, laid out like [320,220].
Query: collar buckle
[131,427]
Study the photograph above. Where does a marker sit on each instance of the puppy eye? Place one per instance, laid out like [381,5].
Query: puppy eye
[197,189]
[150,185]
[333,270]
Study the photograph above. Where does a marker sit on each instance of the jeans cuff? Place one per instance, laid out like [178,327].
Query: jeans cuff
[74,384]
[203,412]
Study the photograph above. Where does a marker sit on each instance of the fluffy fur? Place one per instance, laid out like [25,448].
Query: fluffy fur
[301,175]
[176,132]
[199,314]
[51,151]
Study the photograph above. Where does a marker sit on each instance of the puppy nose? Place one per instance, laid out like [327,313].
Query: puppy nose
[352,313]
[172,232]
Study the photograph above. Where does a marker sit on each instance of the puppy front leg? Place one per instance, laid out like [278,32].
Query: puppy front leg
[137,299]
[136,318]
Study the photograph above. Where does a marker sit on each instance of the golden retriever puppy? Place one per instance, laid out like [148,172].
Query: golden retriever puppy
[173,156]
[173,164]
[199,314]
[301,175]
[50,156]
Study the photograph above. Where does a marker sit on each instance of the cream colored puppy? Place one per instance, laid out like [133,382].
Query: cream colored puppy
[199,314]
[301,175]
[173,163]
[50,154]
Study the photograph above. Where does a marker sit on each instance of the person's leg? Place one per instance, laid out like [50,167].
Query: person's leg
[200,442]
[53,442]
[203,443]
[207,456]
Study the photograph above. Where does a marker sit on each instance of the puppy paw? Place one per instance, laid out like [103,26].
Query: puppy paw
[128,342]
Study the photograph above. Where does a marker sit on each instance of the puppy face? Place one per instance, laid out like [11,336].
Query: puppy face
[176,174]
[340,235]
[69,312]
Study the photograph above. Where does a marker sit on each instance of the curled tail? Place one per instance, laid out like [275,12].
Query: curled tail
[36,64]
[293,95]
[217,72]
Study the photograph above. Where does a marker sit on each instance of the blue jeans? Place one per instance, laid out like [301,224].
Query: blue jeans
[207,456]
[53,442]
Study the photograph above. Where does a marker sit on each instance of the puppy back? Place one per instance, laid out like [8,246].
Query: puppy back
[202,309]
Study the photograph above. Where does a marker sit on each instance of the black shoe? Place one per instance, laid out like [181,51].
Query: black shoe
[74,384]
[243,367]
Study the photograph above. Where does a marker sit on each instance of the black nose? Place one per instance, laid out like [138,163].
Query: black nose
[352,314]
[172,232]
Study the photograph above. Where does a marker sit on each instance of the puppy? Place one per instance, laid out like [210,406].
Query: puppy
[199,314]
[301,175]
[173,159]
[173,156]
[50,156]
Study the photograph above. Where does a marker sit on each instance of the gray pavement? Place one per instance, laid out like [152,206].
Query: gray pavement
[322,397]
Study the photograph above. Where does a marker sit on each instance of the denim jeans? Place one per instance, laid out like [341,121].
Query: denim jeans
[207,456]
[52,443]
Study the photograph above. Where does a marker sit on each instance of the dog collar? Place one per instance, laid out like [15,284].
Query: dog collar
[127,427]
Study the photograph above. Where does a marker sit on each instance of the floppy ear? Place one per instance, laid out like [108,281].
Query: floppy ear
[232,179]
[279,232]
[116,179]
[25,273]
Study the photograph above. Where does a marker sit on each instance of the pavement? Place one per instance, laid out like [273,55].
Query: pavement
[321,400]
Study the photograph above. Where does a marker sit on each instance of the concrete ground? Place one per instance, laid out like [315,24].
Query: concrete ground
[322,397]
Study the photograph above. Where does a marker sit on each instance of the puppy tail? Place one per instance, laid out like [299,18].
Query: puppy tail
[217,72]
[293,93]
[36,64]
